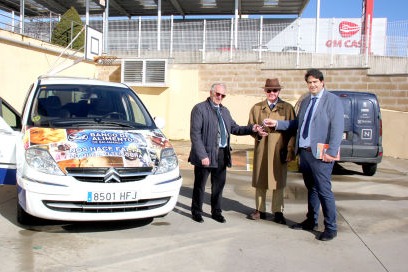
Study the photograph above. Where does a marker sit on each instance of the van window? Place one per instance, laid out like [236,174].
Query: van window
[10,115]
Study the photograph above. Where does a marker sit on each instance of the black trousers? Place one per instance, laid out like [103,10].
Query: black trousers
[218,176]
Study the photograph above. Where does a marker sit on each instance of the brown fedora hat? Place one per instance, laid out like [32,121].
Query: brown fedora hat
[272,84]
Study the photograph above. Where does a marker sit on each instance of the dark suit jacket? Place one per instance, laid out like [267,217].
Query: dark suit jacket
[204,133]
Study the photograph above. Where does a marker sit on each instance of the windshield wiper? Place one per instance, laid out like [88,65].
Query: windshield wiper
[109,122]
[90,122]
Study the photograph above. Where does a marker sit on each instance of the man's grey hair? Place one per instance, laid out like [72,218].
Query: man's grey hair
[218,84]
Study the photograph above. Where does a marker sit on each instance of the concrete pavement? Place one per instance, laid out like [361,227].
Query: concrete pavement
[372,220]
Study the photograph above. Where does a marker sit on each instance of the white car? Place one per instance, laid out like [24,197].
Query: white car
[86,150]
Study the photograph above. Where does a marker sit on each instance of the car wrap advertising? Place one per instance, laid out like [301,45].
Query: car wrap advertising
[99,148]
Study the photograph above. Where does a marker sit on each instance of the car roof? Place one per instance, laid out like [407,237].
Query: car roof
[354,93]
[46,80]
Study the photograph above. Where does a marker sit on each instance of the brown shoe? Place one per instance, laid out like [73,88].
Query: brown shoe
[256,215]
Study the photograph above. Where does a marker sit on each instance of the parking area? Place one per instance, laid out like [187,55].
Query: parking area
[372,219]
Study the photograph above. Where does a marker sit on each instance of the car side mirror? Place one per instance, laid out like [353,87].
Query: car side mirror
[159,121]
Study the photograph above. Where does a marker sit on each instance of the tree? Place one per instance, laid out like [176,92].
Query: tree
[67,28]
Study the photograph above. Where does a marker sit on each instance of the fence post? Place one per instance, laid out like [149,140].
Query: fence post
[298,44]
[12,21]
[139,42]
[231,40]
[260,39]
[158,25]
[332,46]
[204,39]
[22,15]
[50,26]
[171,35]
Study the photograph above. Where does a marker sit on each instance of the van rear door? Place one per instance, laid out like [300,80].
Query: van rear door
[361,126]
[10,124]
[365,141]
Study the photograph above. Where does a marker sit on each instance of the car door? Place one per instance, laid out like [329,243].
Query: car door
[10,126]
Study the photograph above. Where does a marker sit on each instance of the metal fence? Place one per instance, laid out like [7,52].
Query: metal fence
[275,43]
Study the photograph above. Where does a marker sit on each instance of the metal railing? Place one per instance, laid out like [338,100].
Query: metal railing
[275,43]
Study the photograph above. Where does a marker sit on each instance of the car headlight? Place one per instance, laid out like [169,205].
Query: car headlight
[168,161]
[40,159]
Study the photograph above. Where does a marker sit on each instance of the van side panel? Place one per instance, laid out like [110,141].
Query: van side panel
[346,149]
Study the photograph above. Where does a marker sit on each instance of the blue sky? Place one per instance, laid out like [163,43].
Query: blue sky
[393,10]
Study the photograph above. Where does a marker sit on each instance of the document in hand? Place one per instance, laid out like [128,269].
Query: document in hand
[321,150]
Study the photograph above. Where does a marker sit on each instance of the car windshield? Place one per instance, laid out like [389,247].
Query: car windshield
[69,105]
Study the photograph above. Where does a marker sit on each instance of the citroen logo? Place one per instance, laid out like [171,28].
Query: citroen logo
[111,176]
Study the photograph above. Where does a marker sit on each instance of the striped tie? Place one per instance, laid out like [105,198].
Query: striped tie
[222,128]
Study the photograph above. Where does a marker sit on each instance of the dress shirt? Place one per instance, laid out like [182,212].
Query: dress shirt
[306,142]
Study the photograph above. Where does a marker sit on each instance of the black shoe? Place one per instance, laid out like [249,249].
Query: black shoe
[327,235]
[198,218]
[279,218]
[305,225]
[219,218]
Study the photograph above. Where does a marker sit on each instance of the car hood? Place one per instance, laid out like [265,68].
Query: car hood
[99,148]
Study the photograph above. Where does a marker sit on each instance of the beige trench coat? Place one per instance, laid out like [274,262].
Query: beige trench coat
[268,170]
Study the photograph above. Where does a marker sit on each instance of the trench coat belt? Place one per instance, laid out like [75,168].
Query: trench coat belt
[307,149]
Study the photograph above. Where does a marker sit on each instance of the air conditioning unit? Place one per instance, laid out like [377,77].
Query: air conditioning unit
[144,72]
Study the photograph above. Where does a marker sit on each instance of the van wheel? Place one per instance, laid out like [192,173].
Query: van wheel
[369,169]
[23,217]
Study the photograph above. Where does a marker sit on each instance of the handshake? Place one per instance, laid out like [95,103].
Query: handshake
[266,123]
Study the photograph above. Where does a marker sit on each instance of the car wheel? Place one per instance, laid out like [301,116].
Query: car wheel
[23,217]
[369,169]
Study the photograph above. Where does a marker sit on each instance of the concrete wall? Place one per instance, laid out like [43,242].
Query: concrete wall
[395,129]
[24,59]
[188,84]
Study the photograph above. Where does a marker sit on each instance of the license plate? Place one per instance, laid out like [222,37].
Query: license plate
[111,196]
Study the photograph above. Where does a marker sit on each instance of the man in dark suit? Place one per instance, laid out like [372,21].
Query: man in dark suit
[320,120]
[210,127]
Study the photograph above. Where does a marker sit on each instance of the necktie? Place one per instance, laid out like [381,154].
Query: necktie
[222,128]
[309,116]
[271,106]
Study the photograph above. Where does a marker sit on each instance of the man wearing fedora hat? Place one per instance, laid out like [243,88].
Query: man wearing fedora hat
[271,153]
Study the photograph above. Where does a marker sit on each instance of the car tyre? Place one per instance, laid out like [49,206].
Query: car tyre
[369,169]
[23,217]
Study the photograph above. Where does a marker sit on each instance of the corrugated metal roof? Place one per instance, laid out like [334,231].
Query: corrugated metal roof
[128,8]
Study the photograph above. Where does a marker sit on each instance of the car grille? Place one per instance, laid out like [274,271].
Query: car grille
[109,175]
[106,207]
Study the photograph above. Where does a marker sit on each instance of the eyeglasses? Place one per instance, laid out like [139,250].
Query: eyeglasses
[272,90]
[219,94]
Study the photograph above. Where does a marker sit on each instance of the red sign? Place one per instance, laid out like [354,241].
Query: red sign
[348,29]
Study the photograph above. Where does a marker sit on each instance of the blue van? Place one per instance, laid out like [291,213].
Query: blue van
[362,138]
